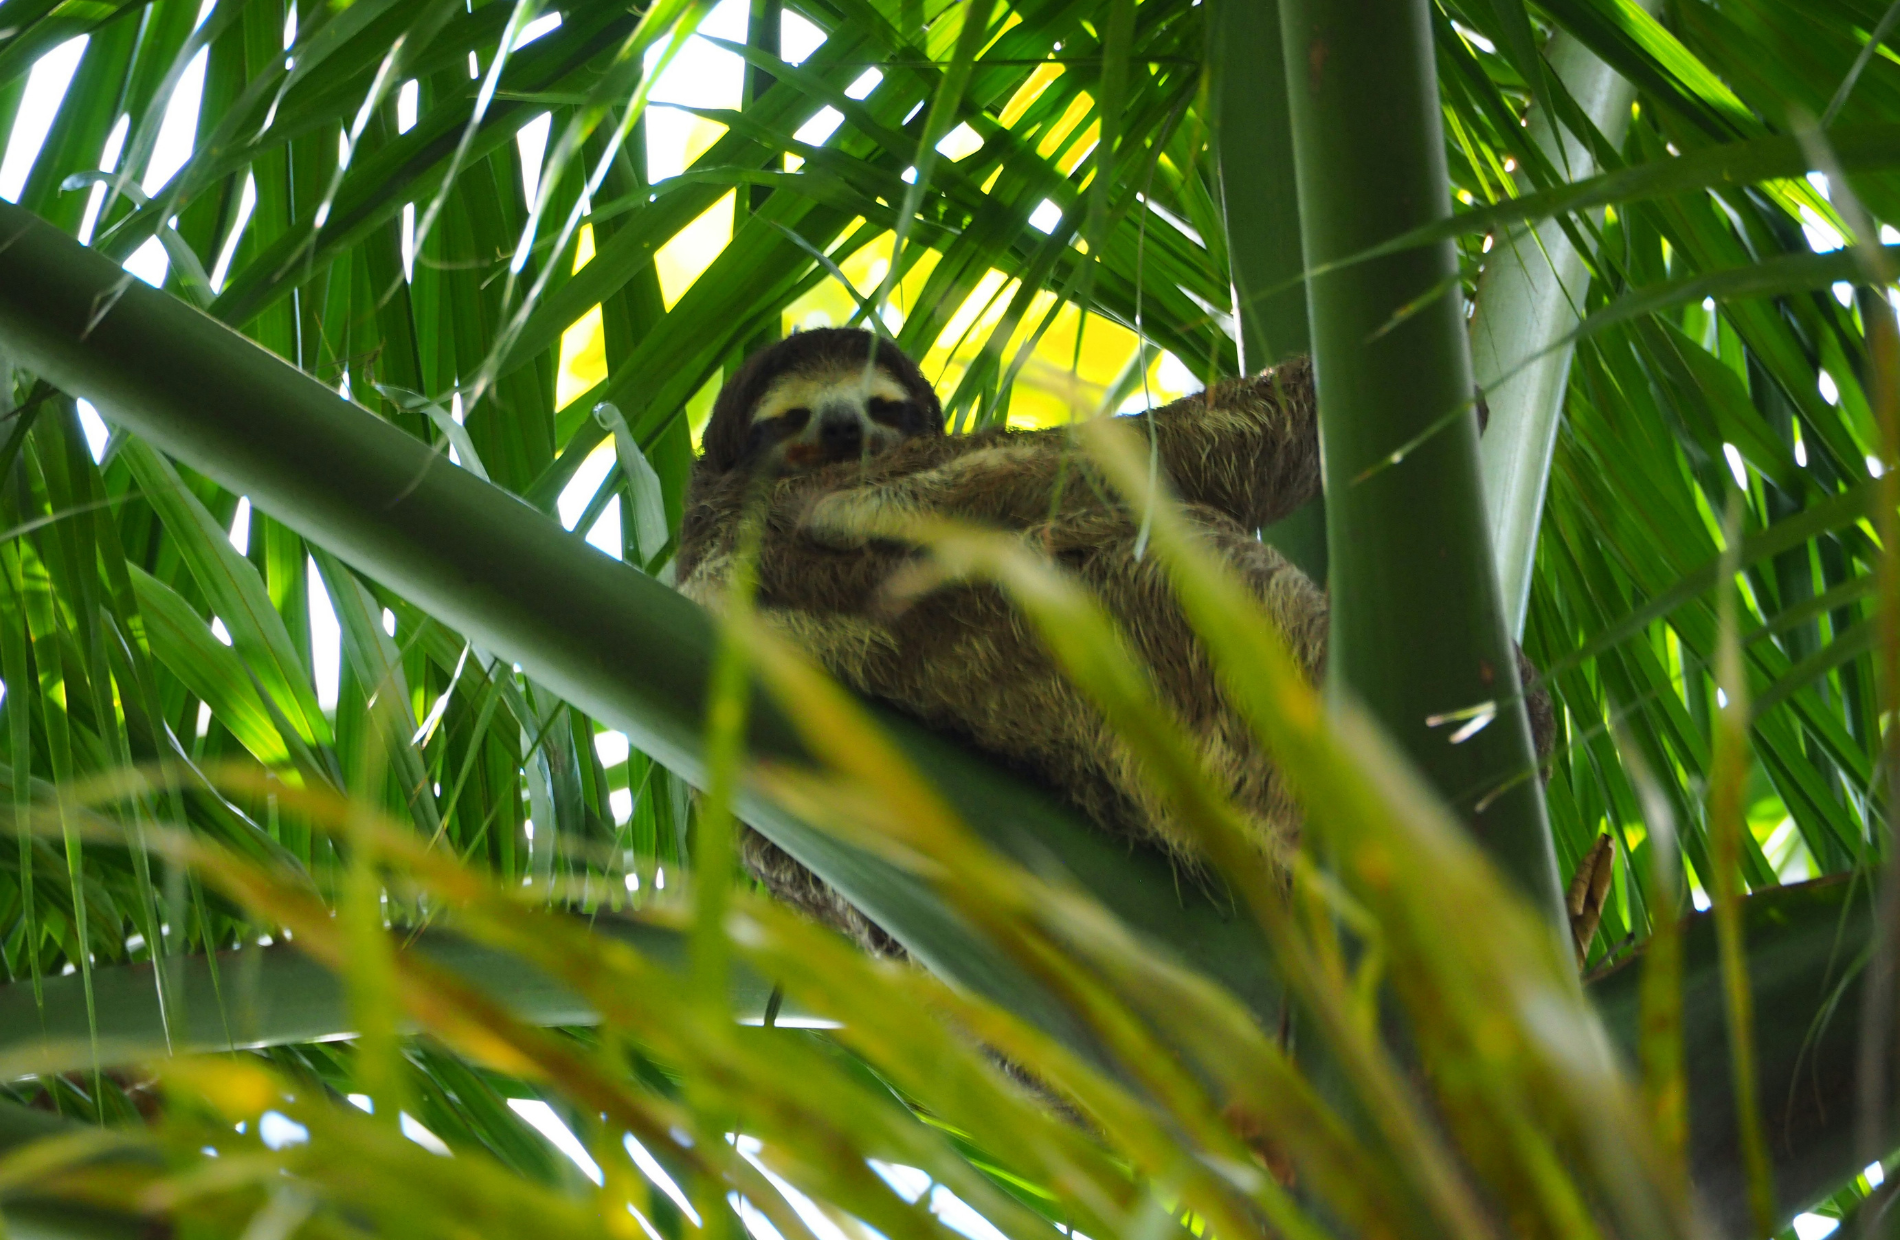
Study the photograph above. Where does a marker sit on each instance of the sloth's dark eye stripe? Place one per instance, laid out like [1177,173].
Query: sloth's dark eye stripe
[889,412]
[779,426]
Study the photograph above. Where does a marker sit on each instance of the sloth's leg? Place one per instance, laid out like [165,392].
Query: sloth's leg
[1140,596]
[793,884]
[1247,448]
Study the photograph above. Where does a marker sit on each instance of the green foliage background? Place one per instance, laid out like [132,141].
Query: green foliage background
[1720,341]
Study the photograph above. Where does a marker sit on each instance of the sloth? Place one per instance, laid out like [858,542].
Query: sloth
[844,434]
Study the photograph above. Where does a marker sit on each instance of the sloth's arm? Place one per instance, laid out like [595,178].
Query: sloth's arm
[794,570]
[1247,447]
[1013,481]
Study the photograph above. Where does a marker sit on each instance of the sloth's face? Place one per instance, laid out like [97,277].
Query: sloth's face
[838,412]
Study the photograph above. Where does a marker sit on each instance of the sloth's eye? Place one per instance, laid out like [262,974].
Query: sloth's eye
[778,426]
[889,412]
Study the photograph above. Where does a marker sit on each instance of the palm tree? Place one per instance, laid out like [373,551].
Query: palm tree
[315,732]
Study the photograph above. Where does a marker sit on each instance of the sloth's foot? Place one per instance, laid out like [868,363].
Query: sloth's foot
[1587,891]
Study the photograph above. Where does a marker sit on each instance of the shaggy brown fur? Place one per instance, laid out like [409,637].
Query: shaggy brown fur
[961,660]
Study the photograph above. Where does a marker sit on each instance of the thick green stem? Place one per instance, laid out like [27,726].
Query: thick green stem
[270,996]
[1253,138]
[1417,630]
[1529,296]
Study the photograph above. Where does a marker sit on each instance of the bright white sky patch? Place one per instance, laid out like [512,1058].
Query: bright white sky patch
[241,526]
[413,1129]
[180,126]
[1174,375]
[549,1125]
[822,124]
[704,75]
[1814,1226]
[96,431]
[532,141]
[1821,235]
[170,152]
[668,132]
[605,534]
[865,83]
[910,1183]
[757,1225]
[1735,466]
[247,202]
[797,38]
[1046,216]
[1475,39]
[611,747]
[958,1215]
[651,1168]
[149,262]
[326,639]
[45,87]
[807,1210]
[580,489]
[277,1130]
[541,25]
[960,143]
[108,162]
[408,100]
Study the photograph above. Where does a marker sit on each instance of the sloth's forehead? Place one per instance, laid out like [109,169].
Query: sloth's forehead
[851,384]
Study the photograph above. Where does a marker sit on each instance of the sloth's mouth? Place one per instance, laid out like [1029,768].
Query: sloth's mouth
[813,455]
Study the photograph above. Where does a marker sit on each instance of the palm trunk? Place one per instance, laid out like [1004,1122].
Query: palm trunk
[1418,633]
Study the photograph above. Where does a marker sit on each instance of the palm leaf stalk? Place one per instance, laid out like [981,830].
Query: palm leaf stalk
[276,996]
[1417,629]
[1529,300]
[1253,137]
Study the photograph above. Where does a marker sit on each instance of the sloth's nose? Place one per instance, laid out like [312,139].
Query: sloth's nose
[840,434]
